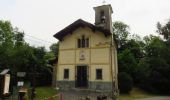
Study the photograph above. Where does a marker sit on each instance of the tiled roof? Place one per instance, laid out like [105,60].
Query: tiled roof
[79,23]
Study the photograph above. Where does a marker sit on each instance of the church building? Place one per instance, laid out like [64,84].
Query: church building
[88,54]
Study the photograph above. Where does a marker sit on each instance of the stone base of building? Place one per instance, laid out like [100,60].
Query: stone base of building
[65,85]
[100,86]
[92,86]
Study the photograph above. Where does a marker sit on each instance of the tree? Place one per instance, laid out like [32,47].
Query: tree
[142,73]
[121,32]
[145,61]
[17,55]
[125,82]
[127,62]
[164,30]
[129,50]
[153,70]
[6,43]
[54,49]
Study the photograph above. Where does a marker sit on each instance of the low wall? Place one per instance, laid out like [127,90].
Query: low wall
[93,86]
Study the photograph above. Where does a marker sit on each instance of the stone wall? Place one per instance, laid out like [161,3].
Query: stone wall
[93,86]
[65,85]
[100,86]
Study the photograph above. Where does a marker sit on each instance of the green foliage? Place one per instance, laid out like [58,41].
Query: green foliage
[142,72]
[46,92]
[18,56]
[164,30]
[121,32]
[145,61]
[54,49]
[6,43]
[157,78]
[127,62]
[41,66]
[125,82]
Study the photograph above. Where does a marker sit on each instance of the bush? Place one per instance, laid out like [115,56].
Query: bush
[158,83]
[125,82]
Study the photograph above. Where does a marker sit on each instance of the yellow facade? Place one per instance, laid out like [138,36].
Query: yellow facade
[97,56]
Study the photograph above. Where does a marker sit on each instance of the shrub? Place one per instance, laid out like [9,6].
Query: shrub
[125,82]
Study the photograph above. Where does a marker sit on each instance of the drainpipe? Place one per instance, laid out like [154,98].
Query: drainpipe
[111,57]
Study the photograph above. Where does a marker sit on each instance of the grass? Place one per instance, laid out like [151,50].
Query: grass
[136,93]
[45,92]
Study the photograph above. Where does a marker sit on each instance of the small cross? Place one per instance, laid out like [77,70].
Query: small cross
[104,2]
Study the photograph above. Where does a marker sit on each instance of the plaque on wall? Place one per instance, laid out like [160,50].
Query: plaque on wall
[82,55]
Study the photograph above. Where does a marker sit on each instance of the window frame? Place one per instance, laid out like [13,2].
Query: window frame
[79,43]
[66,73]
[99,74]
[83,42]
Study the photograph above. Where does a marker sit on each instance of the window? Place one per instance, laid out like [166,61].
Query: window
[87,42]
[79,43]
[102,16]
[98,74]
[101,13]
[83,42]
[66,73]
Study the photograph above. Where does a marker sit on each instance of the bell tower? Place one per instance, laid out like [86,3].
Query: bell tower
[103,17]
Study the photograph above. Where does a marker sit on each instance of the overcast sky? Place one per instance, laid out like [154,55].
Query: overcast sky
[43,18]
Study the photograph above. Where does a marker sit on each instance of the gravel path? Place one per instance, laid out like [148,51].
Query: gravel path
[156,98]
[76,95]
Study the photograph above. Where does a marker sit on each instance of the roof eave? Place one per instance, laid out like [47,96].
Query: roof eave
[79,23]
